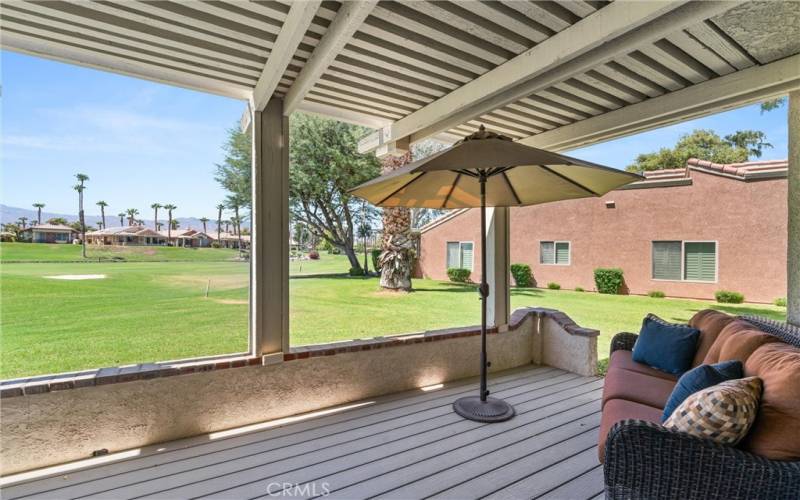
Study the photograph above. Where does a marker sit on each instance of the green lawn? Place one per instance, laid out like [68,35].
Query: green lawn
[155,311]
[43,252]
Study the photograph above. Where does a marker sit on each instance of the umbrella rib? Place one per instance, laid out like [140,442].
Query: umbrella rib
[452,188]
[513,191]
[574,183]
[400,188]
[467,172]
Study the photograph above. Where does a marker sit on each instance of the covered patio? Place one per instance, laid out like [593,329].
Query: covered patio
[372,417]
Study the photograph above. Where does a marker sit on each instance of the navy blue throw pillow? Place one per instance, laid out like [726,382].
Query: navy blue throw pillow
[666,347]
[699,378]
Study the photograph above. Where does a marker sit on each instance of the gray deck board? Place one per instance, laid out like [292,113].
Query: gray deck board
[408,445]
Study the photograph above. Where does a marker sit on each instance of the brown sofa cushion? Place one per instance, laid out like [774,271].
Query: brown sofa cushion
[737,341]
[776,431]
[710,323]
[623,360]
[620,409]
[636,387]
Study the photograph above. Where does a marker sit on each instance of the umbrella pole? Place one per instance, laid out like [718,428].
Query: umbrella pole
[483,408]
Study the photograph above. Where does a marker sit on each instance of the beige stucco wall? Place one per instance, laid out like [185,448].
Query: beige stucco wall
[56,427]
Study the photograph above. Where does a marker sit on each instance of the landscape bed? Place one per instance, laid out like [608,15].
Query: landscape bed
[148,309]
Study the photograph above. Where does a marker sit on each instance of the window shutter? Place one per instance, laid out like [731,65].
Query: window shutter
[466,256]
[452,255]
[700,261]
[546,252]
[667,260]
[562,253]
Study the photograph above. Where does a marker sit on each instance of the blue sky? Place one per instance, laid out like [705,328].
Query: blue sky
[142,142]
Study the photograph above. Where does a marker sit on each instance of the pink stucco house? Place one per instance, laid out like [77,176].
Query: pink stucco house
[687,232]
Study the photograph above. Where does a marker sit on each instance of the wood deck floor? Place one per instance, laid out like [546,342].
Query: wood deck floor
[408,445]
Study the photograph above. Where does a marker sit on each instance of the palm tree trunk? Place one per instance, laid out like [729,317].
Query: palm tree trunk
[396,244]
[169,229]
[155,219]
[83,223]
[39,216]
[103,215]
[238,225]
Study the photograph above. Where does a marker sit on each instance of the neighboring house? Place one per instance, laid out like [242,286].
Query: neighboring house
[49,233]
[230,240]
[187,238]
[125,236]
[687,232]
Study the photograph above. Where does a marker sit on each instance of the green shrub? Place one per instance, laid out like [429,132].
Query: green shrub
[376,255]
[602,367]
[458,275]
[522,275]
[215,244]
[728,297]
[656,294]
[608,280]
[780,302]
[356,271]
[579,289]
[553,286]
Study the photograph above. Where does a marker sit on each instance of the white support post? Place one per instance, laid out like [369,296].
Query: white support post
[497,266]
[793,226]
[270,249]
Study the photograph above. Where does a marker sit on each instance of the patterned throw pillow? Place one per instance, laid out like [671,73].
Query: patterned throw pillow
[722,413]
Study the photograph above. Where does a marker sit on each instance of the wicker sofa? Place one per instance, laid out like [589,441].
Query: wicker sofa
[642,459]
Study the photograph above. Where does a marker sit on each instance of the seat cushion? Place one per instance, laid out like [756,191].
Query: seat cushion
[776,432]
[624,360]
[699,378]
[665,346]
[620,409]
[637,387]
[738,340]
[722,413]
[710,323]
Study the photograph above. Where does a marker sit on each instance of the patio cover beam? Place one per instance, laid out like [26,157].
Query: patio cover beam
[613,30]
[726,92]
[292,32]
[347,21]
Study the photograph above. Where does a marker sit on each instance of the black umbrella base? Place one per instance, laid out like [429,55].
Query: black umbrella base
[491,410]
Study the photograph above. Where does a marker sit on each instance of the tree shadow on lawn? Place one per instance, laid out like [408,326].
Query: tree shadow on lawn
[449,287]
[527,292]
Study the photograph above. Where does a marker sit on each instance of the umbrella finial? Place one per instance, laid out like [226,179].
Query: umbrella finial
[482,133]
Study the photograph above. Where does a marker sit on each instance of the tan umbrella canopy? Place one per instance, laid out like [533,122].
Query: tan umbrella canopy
[487,169]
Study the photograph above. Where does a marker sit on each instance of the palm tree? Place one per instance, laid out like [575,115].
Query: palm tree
[204,220]
[155,207]
[227,225]
[39,207]
[175,224]
[158,226]
[102,206]
[220,208]
[99,225]
[132,213]
[82,178]
[169,208]
[121,216]
[21,222]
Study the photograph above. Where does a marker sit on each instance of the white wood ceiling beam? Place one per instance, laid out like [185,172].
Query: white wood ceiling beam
[291,35]
[609,32]
[726,92]
[340,31]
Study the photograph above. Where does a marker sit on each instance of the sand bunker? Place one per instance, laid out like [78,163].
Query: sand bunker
[231,301]
[76,277]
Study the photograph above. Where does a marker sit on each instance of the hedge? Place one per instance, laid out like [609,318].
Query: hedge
[458,275]
[728,297]
[608,280]
[523,277]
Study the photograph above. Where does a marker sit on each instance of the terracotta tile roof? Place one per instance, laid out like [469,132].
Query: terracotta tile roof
[742,170]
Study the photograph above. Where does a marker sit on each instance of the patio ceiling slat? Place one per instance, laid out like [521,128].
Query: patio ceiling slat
[714,38]
[427,77]
[395,76]
[369,92]
[353,105]
[652,70]
[701,53]
[361,79]
[503,15]
[677,63]
[625,76]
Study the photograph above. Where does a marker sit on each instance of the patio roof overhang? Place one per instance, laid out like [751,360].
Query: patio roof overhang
[557,75]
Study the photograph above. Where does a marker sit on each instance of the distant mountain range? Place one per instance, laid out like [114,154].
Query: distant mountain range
[12,214]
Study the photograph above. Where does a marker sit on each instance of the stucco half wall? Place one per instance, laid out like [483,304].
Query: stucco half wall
[59,426]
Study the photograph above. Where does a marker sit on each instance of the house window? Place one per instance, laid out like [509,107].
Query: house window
[554,253]
[685,260]
[459,254]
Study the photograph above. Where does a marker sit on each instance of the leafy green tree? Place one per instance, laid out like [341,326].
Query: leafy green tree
[56,221]
[38,207]
[324,165]
[705,145]
[235,172]
[772,104]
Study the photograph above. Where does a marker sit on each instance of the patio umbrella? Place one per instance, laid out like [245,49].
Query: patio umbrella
[488,169]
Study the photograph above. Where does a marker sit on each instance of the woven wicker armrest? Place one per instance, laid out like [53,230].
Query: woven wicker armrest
[646,460]
[623,341]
